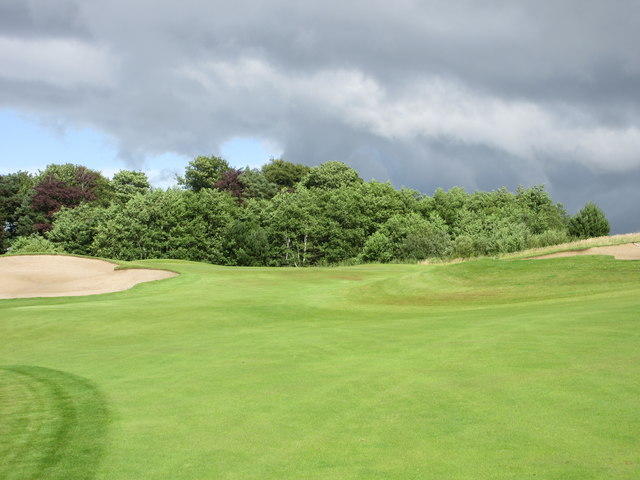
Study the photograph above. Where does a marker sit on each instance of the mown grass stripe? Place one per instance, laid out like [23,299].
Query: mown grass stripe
[60,432]
[21,407]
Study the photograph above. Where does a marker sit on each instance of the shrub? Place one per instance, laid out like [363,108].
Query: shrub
[34,244]
[74,229]
[509,238]
[463,247]
[378,248]
[589,222]
[425,244]
[550,237]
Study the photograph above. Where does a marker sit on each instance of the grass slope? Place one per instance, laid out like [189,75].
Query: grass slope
[486,369]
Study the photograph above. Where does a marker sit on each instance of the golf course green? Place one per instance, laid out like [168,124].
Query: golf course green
[486,369]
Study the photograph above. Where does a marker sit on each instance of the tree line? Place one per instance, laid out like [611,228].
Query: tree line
[283,214]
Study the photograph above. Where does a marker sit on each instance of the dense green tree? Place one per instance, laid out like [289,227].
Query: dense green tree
[65,172]
[378,248]
[4,244]
[167,224]
[408,236]
[28,219]
[342,223]
[380,201]
[500,221]
[331,175]
[492,233]
[427,242]
[449,205]
[292,222]
[17,217]
[203,172]
[74,229]
[495,202]
[414,237]
[589,222]
[284,174]
[246,243]
[329,225]
[256,184]
[537,210]
[127,184]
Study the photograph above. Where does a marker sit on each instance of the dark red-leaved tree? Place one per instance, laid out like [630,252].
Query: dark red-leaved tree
[53,194]
[231,182]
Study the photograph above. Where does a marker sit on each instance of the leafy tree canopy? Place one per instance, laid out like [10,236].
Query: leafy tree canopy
[91,183]
[203,172]
[331,175]
[257,185]
[169,223]
[589,222]
[127,184]
[74,229]
[284,174]
[16,191]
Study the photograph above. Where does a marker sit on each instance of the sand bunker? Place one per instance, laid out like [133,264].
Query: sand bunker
[60,276]
[629,251]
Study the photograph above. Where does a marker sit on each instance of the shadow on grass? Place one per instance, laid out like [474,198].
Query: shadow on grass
[53,425]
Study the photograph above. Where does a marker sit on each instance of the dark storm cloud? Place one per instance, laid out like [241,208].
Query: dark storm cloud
[426,94]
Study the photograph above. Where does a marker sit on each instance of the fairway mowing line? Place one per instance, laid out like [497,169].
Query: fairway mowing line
[64,426]
[30,413]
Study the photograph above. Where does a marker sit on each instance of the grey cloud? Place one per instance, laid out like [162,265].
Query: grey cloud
[616,193]
[426,94]
[43,18]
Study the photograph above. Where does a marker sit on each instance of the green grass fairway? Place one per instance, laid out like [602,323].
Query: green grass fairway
[489,369]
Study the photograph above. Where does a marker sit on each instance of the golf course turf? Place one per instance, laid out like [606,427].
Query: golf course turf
[487,369]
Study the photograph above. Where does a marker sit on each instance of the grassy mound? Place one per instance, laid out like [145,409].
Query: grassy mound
[486,369]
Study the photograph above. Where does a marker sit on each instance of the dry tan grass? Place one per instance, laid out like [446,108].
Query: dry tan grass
[563,247]
[626,251]
[577,245]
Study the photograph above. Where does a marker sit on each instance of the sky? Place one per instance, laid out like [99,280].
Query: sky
[426,94]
